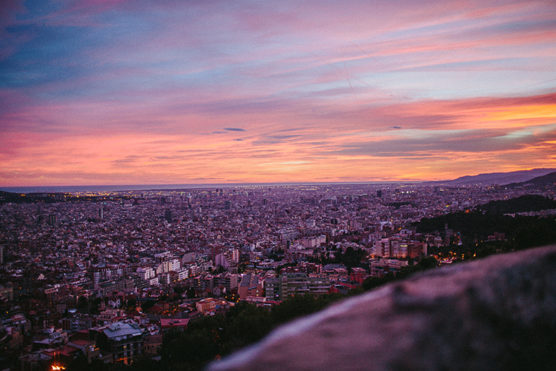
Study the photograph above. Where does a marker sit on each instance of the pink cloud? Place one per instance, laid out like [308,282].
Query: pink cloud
[270,150]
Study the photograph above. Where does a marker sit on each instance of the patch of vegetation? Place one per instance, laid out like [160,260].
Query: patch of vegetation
[519,204]
[520,232]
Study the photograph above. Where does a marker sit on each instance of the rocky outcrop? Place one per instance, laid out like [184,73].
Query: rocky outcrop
[498,313]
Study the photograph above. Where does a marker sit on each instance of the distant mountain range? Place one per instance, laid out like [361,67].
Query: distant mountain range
[544,180]
[512,177]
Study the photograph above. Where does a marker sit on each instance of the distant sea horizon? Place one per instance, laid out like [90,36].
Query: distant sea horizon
[168,187]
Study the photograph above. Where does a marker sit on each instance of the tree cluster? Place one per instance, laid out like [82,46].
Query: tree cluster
[475,227]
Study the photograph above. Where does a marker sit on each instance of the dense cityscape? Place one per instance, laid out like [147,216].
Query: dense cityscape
[289,185]
[102,277]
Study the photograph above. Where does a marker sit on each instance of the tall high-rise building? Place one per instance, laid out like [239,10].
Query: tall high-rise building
[235,256]
[52,219]
[168,215]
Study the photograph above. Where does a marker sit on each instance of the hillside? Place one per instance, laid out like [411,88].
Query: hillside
[540,181]
[497,178]
[519,204]
[492,314]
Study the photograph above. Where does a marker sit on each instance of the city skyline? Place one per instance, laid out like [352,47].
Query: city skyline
[113,92]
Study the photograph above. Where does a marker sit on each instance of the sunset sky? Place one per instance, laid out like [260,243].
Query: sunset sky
[146,92]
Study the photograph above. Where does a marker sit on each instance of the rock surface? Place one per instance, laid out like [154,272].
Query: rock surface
[498,313]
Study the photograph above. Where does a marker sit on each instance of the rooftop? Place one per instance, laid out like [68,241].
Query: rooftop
[122,330]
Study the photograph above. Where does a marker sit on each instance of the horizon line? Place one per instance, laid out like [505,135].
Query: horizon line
[3,187]
[212,185]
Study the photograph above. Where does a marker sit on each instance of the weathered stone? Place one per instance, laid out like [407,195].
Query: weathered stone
[498,313]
